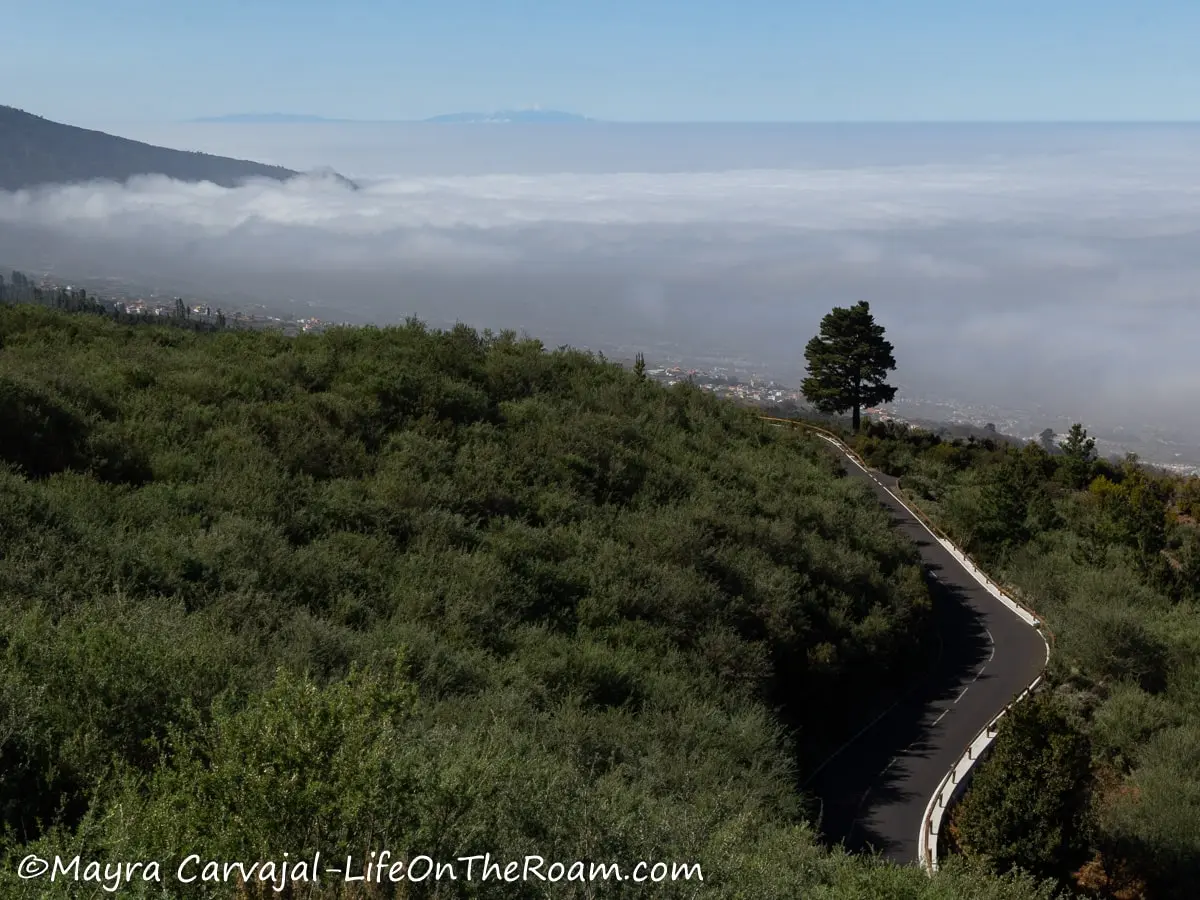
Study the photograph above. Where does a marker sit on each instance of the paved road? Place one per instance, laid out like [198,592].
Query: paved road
[874,792]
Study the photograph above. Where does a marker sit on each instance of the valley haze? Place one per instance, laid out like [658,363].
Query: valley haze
[1020,265]
[500,117]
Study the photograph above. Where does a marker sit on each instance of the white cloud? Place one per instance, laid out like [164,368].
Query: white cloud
[1046,194]
[1046,272]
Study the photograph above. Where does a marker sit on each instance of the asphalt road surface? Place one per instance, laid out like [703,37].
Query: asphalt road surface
[874,791]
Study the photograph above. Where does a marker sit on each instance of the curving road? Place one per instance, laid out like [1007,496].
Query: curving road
[874,791]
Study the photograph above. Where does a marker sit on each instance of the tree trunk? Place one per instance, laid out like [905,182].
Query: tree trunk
[857,395]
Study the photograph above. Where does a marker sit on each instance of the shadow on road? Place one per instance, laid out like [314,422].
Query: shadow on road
[874,792]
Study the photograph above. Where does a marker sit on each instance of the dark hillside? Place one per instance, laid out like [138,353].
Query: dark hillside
[35,151]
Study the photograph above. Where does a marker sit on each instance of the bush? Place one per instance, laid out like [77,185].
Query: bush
[1027,804]
[627,612]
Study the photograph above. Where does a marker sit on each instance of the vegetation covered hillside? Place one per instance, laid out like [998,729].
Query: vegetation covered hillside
[436,593]
[36,151]
[1099,782]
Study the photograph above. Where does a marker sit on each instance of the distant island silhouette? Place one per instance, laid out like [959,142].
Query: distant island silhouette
[512,116]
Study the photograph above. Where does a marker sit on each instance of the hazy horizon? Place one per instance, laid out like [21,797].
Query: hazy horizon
[283,118]
[754,61]
[1021,264]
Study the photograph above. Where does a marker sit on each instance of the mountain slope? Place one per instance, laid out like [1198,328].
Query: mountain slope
[37,151]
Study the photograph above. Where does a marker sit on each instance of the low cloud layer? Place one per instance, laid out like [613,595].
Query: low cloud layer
[1065,273]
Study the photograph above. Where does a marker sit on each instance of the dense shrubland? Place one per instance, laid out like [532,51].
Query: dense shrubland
[437,592]
[1108,551]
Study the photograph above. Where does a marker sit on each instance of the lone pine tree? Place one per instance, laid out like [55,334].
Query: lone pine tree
[848,362]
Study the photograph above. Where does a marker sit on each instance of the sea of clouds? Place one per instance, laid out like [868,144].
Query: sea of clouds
[1011,264]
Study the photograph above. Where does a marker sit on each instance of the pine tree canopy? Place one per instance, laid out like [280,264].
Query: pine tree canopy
[848,362]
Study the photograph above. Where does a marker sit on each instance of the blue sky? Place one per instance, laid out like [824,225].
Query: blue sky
[634,60]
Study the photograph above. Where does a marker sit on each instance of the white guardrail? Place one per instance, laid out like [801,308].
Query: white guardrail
[955,781]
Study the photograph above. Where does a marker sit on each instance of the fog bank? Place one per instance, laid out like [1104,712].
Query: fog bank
[1011,264]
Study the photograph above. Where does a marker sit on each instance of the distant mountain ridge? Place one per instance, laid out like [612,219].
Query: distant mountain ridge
[36,151]
[511,116]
